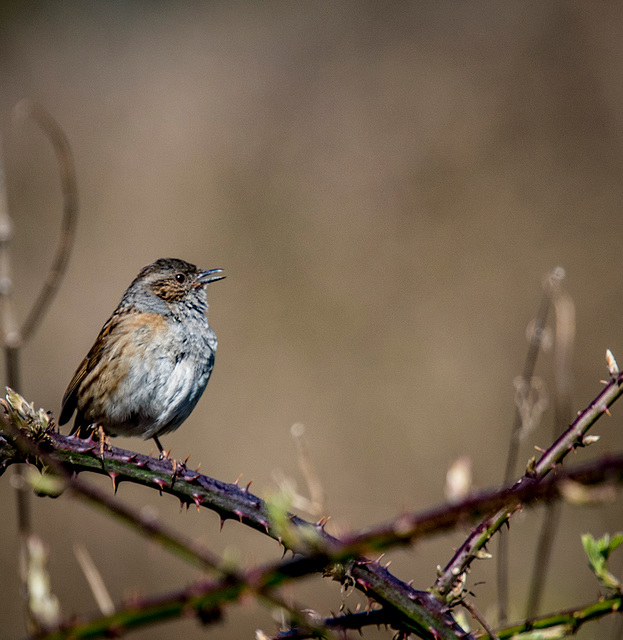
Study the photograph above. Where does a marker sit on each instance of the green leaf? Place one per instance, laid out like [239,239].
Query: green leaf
[598,552]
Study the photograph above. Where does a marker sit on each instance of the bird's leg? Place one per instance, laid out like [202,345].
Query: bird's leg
[102,439]
[162,453]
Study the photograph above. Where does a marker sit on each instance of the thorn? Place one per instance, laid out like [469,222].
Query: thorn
[186,459]
[197,500]
[539,449]
[237,480]
[161,483]
[363,584]
[197,469]
[113,477]
[246,489]
[607,412]
[378,560]
[221,518]
[239,514]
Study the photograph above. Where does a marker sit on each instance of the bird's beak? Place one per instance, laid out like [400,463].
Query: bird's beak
[212,275]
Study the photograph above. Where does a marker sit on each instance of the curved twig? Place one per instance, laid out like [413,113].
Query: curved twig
[28,109]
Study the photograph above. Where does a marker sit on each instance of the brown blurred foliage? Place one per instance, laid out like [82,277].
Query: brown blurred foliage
[385,185]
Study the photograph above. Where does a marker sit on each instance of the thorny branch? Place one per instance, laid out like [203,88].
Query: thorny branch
[415,611]
[317,550]
[565,623]
[570,440]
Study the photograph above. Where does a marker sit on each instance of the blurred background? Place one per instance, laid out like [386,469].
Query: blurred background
[386,187]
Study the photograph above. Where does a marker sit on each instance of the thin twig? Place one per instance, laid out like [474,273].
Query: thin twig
[477,616]
[570,440]
[316,504]
[563,349]
[94,579]
[64,157]
[566,622]
[10,342]
[536,337]
[534,348]
[12,336]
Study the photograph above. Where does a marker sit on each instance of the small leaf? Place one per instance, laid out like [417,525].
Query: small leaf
[598,552]
[616,541]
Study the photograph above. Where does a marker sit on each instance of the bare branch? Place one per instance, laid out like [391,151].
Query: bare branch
[570,440]
[27,109]
[536,336]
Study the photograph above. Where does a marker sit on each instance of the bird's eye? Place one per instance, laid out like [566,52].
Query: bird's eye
[181,278]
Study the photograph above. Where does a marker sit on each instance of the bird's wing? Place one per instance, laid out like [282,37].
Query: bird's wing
[70,398]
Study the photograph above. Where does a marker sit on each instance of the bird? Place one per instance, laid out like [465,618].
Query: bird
[152,359]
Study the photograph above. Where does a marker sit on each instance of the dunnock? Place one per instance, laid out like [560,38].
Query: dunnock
[153,358]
